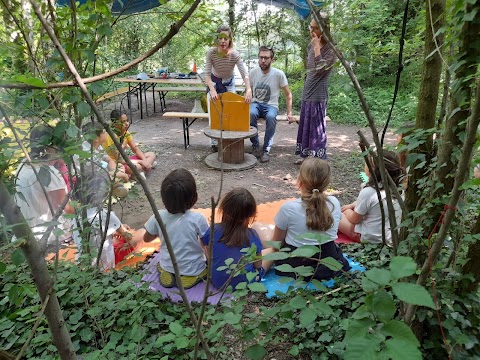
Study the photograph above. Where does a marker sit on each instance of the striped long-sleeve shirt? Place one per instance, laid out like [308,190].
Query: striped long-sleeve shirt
[222,66]
[319,70]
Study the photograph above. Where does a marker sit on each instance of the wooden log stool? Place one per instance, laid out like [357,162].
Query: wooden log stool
[231,150]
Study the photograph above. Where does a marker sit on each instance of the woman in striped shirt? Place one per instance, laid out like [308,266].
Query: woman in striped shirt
[219,67]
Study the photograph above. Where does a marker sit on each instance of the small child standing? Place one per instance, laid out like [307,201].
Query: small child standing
[362,219]
[184,228]
[238,208]
[314,213]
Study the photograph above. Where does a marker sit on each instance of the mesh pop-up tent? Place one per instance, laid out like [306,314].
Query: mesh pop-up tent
[124,7]
[300,6]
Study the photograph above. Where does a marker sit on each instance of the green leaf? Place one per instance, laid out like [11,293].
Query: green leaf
[400,350]
[258,287]
[294,350]
[17,257]
[30,81]
[383,306]
[96,88]
[231,318]
[400,331]
[284,268]
[15,295]
[306,251]
[331,263]
[44,175]
[369,286]
[273,244]
[298,302]
[83,109]
[358,328]
[181,342]
[256,352]
[402,266]
[413,294]
[323,308]
[276,256]
[228,261]
[318,285]
[3,267]
[307,316]
[163,339]
[303,271]
[379,276]
[362,348]
[176,328]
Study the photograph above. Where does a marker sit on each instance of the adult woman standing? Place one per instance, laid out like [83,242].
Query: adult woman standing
[219,67]
[312,131]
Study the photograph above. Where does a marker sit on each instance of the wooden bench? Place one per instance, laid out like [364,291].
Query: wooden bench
[188,118]
[112,94]
[164,90]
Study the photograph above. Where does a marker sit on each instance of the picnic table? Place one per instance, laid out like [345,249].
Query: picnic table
[140,88]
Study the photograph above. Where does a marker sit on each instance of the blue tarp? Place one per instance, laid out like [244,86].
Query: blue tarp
[300,6]
[123,7]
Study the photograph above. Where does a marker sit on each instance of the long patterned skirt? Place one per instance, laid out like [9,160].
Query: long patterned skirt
[312,131]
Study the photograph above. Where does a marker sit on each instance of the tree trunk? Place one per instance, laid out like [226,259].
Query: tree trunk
[231,14]
[468,57]
[43,281]
[427,97]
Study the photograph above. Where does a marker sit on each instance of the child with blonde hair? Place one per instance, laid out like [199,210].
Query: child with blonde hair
[238,208]
[184,228]
[314,216]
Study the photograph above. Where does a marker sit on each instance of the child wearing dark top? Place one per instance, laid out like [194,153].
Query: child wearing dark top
[238,208]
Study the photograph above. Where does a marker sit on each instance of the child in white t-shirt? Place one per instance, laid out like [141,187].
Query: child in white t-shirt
[119,237]
[184,229]
[362,219]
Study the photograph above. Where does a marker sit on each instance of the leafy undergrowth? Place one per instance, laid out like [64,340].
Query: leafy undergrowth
[115,316]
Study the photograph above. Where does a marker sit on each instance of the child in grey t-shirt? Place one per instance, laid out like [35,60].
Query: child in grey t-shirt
[184,229]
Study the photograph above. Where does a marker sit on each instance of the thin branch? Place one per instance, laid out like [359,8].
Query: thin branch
[460,177]
[35,326]
[88,98]
[174,29]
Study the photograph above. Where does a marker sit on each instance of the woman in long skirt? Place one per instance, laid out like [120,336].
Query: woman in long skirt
[312,131]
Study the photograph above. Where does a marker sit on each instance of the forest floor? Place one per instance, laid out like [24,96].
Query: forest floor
[268,182]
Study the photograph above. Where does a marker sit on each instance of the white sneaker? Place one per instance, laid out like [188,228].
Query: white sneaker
[154,165]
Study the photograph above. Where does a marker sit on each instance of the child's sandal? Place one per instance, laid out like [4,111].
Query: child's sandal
[190,281]
[167,280]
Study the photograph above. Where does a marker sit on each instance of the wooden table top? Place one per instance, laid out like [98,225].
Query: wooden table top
[231,135]
[169,81]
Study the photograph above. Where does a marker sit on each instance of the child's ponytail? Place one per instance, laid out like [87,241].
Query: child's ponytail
[313,180]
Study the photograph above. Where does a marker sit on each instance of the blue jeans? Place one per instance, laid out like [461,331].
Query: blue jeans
[269,113]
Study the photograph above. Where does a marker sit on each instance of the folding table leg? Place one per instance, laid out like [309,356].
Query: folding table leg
[186,137]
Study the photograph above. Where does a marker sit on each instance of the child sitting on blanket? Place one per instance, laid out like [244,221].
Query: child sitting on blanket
[184,228]
[120,124]
[95,136]
[238,208]
[120,239]
[362,220]
[314,213]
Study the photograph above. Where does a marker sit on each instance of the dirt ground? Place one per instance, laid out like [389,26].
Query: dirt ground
[268,182]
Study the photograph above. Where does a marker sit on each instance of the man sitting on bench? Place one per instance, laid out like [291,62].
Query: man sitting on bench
[266,82]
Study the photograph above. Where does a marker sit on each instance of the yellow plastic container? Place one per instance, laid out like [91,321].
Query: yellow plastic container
[230,113]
